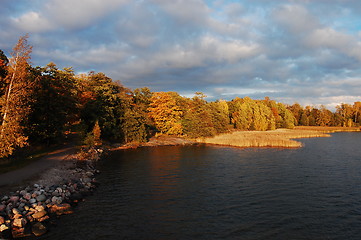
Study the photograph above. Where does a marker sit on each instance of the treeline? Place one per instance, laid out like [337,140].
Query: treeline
[40,104]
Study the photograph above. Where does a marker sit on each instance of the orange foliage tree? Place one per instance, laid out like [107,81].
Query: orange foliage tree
[166,113]
[15,101]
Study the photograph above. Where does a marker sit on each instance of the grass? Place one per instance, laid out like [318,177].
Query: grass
[277,138]
[329,129]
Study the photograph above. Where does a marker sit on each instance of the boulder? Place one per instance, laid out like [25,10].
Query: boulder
[60,209]
[15,211]
[41,198]
[2,220]
[19,222]
[40,214]
[3,227]
[19,232]
[39,208]
[27,196]
[2,208]
[14,198]
[38,229]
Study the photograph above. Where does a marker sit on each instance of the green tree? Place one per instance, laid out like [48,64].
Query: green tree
[54,107]
[102,100]
[198,120]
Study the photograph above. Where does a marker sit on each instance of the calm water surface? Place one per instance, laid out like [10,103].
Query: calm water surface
[208,192]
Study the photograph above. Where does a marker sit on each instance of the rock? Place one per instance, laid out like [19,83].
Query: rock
[19,232]
[5,198]
[26,208]
[39,208]
[14,198]
[41,198]
[36,185]
[42,219]
[22,192]
[19,222]
[15,211]
[39,214]
[32,201]
[2,208]
[38,229]
[27,196]
[3,227]
[56,200]
[86,180]
[55,193]
[60,209]
[2,220]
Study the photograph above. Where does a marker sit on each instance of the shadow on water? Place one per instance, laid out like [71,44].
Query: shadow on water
[208,192]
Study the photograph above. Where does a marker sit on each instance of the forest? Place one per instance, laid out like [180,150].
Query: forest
[39,105]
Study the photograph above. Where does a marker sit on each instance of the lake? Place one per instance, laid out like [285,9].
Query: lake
[211,192]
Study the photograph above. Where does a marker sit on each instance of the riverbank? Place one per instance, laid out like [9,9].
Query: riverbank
[154,142]
[29,210]
[280,138]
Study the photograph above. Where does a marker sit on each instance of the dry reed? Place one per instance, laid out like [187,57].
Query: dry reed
[277,138]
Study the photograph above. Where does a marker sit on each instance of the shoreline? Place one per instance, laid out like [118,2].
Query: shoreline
[31,209]
[279,138]
[154,142]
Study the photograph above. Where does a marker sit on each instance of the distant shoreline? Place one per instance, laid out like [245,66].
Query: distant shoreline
[280,138]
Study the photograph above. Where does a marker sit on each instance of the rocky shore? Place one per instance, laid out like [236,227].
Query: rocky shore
[30,210]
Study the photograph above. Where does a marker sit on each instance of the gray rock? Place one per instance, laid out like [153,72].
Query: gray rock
[56,200]
[32,201]
[41,198]
[27,196]
[14,198]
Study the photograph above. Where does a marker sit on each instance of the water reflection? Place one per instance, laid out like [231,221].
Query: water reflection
[200,192]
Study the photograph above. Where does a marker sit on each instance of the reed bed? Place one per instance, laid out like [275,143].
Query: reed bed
[277,138]
[329,129]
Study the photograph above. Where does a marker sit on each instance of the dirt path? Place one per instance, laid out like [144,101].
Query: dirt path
[20,176]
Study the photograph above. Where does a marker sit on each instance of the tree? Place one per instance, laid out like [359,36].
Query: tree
[54,96]
[102,100]
[3,64]
[166,113]
[198,119]
[15,101]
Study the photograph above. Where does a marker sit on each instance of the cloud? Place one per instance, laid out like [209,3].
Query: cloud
[305,51]
[32,22]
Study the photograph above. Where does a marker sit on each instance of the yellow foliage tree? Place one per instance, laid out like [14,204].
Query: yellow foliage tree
[166,113]
[14,103]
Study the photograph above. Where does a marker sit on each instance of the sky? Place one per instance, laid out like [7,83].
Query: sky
[305,51]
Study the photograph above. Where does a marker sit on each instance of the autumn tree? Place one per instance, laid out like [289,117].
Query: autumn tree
[198,119]
[15,100]
[166,113]
[103,102]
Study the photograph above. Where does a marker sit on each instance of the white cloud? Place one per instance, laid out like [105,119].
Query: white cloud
[32,22]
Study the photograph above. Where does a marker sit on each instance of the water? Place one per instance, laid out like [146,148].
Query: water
[208,192]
